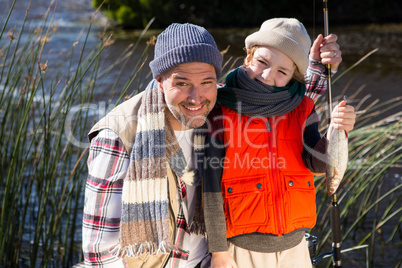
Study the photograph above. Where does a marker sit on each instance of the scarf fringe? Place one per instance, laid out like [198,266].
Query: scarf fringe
[189,177]
[140,248]
[197,228]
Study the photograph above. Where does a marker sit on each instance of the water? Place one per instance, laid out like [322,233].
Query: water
[381,73]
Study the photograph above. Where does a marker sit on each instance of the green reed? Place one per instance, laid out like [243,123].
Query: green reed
[370,204]
[45,113]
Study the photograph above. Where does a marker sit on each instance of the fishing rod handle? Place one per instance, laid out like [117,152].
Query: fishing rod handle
[336,234]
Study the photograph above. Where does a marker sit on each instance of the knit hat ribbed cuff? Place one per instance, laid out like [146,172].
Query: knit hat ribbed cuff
[185,54]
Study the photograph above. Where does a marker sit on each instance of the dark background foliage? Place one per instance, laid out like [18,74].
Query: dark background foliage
[241,13]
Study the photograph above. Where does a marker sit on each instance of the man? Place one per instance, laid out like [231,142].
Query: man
[143,195]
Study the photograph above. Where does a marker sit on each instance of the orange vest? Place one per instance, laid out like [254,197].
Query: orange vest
[265,184]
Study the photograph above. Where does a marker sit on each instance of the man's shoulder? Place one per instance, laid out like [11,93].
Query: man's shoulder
[122,120]
[121,112]
[127,107]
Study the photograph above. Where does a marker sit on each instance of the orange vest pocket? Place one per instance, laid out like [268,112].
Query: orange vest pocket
[300,203]
[246,200]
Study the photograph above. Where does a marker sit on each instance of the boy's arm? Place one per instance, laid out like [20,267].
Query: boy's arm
[316,79]
[323,51]
[315,146]
[214,214]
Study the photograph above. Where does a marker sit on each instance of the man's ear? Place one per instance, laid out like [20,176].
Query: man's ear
[159,82]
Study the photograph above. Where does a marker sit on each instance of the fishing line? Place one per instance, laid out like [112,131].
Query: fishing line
[314,19]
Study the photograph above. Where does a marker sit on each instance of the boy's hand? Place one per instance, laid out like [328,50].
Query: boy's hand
[327,51]
[222,259]
[343,116]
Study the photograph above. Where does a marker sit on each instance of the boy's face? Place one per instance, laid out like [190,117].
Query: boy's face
[270,66]
[190,93]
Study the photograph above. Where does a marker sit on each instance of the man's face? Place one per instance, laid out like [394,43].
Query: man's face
[190,93]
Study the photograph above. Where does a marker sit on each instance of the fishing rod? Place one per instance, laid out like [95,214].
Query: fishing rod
[335,211]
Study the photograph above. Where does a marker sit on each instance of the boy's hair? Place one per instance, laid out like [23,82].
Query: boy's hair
[297,75]
[288,36]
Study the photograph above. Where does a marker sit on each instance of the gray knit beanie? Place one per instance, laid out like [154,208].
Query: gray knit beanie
[184,43]
[287,35]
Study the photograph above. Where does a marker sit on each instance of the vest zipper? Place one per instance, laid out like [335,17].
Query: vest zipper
[271,128]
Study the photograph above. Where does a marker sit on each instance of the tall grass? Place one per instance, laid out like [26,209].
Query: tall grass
[44,118]
[371,213]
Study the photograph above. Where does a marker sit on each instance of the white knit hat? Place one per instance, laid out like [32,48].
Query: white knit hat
[287,35]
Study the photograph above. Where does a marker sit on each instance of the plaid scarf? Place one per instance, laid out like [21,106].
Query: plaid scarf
[252,98]
[144,225]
